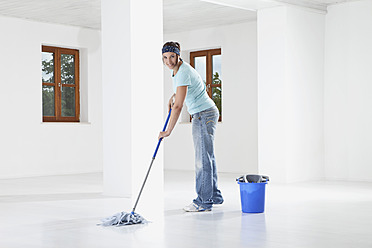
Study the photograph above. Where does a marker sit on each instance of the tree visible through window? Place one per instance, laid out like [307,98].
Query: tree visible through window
[60,84]
[208,65]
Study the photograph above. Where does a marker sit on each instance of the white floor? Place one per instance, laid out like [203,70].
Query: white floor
[62,211]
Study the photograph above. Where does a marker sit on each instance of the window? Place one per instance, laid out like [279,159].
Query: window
[60,84]
[208,64]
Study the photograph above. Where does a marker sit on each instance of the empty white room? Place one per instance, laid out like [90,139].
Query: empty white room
[103,138]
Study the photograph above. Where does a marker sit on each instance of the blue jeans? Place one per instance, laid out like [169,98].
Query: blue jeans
[203,129]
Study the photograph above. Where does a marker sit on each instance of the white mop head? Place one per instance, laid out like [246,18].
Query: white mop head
[123,219]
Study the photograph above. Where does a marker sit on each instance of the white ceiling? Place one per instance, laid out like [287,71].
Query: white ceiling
[315,5]
[83,13]
[179,15]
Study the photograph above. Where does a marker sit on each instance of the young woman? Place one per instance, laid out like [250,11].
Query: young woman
[189,87]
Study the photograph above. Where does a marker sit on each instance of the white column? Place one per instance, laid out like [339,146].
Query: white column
[132,36]
[290,94]
[271,92]
[348,88]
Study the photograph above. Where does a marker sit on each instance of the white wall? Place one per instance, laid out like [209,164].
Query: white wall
[305,75]
[290,94]
[348,87]
[236,138]
[29,147]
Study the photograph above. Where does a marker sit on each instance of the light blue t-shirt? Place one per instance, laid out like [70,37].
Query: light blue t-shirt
[197,98]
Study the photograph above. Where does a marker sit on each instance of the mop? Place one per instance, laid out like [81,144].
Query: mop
[124,218]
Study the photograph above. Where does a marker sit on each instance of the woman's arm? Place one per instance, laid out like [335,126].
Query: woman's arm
[171,102]
[176,110]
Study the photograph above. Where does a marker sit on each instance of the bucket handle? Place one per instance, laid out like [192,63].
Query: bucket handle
[244,179]
[266,178]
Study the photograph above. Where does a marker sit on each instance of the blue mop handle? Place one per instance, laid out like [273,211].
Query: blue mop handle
[153,158]
[165,126]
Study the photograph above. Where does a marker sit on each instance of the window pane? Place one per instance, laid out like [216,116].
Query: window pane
[217,96]
[68,101]
[200,67]
[48,100]
[216,79]
[216,60]
[67,69]
[47,67]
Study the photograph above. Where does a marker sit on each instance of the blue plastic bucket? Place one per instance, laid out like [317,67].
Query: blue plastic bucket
[252,197]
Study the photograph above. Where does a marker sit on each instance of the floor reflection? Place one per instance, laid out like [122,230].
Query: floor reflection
[253,230]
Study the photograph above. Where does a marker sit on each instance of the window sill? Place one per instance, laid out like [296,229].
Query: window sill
[65,123]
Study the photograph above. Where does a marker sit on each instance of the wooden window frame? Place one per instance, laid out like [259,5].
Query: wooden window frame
[209,70]
[57,51]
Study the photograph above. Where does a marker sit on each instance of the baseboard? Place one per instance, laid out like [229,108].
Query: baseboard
[49,174]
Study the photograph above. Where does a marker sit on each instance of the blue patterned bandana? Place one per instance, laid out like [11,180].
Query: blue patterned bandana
[171,49]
